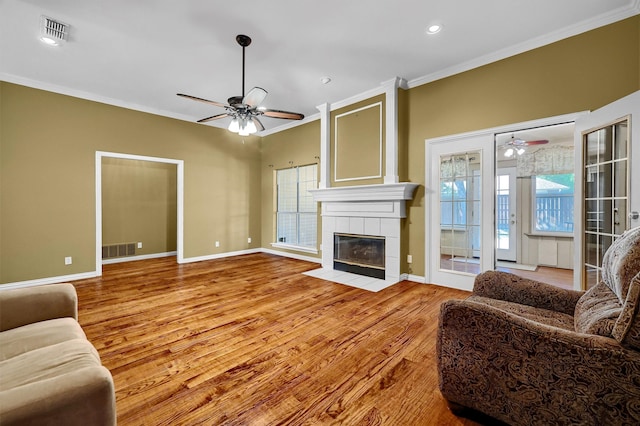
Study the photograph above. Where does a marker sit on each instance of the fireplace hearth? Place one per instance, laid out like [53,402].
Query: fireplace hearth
[359,254]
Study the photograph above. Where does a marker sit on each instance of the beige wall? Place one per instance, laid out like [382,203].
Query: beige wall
[139,204]
[48,144]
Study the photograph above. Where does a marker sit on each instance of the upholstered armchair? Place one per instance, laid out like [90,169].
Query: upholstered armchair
[526,352]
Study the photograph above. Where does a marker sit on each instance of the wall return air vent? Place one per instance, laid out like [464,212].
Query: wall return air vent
[53,32]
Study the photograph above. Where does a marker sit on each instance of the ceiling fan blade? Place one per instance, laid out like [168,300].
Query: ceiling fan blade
[258,124]
[274,113]
[255,97]
[537,142]
[206,101]
[213,117]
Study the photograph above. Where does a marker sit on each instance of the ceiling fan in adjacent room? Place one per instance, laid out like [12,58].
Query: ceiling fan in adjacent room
[245,110]
[517,146]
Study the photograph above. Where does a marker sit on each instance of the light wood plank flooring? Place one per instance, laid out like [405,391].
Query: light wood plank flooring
[249,340]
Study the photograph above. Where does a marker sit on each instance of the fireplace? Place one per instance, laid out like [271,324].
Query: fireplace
[359,254]
[372,211]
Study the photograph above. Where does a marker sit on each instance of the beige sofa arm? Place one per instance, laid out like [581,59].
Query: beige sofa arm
[83,397]
[512,288]
[23,306]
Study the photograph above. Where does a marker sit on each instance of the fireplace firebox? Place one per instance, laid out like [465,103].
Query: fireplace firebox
[359,254]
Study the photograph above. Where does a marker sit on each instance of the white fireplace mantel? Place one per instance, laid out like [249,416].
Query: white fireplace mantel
[381,192]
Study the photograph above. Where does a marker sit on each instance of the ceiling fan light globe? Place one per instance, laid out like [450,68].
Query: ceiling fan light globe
[508,152]
[520,151]
[243,132]
[234,126]
[251,127]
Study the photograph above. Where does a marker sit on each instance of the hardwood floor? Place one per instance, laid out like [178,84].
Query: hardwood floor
[249,340]
[559,277]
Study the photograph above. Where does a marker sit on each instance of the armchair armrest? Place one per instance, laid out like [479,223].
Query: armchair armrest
[23,306]
[513,288]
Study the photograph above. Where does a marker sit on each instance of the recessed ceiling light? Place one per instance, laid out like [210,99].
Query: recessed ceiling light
[49,41]
[434,29]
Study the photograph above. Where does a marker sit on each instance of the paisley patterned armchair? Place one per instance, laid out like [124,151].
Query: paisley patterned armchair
[526,352]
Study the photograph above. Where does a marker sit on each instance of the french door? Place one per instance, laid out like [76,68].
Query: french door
[461,180]
[609,172]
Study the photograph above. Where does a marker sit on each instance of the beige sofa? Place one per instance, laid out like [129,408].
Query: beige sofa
[49,372]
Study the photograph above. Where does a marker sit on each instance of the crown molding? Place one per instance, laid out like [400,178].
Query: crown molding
[75,93]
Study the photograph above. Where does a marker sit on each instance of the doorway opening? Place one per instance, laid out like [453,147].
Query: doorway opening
[535,201]
[100,155]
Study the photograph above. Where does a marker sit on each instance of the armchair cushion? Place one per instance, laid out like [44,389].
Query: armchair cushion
[597,311]
[539,315]
[621,262]
[512,288]
[627,328]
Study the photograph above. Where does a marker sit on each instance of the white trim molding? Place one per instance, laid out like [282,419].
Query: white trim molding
[180,202]
[335,168]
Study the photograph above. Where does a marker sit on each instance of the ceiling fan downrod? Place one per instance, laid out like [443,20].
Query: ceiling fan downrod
[244,41]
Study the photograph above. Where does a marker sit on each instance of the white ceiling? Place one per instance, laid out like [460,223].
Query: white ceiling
[139,54]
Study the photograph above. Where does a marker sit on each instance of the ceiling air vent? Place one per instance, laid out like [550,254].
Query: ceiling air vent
[53,32]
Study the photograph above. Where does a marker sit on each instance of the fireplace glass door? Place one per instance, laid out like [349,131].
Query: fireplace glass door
[359,254]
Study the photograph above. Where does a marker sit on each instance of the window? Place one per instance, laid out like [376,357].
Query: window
[553,203]
[297,218]
[453,203]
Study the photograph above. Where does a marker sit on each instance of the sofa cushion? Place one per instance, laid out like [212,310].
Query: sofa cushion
[38,335]
[47,362]
[597,311]
[539,315]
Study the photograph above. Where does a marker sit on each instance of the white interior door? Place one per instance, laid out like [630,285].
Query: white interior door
[460,232]
[506,215]
[598,180]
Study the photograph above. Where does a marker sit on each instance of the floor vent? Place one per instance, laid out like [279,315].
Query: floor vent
[118,250]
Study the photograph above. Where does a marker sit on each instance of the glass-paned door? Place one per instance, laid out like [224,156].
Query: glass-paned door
[506,224]
[460,178]
[606,193]
[460,211]
[607,182]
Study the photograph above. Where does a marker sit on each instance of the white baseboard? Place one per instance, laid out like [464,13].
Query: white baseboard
[292,255]
[140,257]
[48,280]
[219,255]
[413,278]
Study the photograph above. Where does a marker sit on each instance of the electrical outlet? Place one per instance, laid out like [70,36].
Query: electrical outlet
[68,260]
[217,243]
[249,240]
[409,258]
[139,244]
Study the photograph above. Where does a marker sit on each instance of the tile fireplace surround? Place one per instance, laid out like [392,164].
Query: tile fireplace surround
[374,210]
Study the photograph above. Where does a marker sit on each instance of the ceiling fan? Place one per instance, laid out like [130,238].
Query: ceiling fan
[517,145]
[245,110]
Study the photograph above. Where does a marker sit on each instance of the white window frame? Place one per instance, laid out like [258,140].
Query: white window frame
[534,212]
[290,246]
